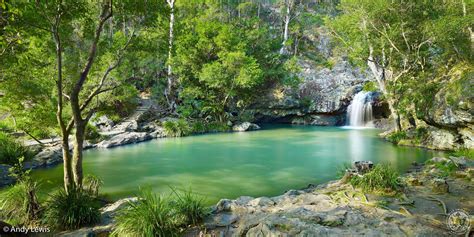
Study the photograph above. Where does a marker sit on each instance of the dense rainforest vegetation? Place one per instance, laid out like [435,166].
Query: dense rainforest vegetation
[65,63]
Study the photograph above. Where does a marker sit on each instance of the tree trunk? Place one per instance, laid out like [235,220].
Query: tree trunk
[77,154]
[469,28]
[168,92]
[283,49]
[68,184]
[380,75]
[67,167]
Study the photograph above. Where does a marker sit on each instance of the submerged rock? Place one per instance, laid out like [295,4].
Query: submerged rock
[245,126]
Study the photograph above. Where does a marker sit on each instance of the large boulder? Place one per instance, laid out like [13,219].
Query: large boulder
[125,138]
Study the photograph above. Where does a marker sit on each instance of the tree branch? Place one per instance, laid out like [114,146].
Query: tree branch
[106,13]
[98,90]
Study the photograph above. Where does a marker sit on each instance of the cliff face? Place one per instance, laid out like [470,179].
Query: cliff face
[449,119]
[328,83]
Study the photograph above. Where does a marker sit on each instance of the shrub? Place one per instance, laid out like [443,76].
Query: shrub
[190,206]
[92,133]
[381,178]
[178,128]
[396,137]
[72,210]
[217,127]
[11,150]
[19,204]
[199,127]
[151,215]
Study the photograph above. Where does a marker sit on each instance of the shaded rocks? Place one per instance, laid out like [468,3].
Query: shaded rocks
[5,178]
[125,138]
[47,157]
[363,167]
[221,220]
[245,126]
[103,123]
[439,186]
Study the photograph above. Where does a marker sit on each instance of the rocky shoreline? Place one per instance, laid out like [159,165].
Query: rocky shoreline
[337,209]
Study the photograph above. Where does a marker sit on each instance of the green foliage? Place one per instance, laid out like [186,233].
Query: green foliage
[396,137]
[92,133]
[382,178]
[190,206]
[11,150]
[420,134]
[370,86]
[444,169]
[178,128]
[153,215]
[222,63]
[71,210]
[341,170]
[150,215]
[19,204]
[468,153]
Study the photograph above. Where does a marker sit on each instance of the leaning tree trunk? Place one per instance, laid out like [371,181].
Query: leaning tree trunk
[284,49]
[380,75]
[168,92]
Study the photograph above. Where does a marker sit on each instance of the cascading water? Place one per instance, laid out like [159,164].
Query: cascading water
[359,112]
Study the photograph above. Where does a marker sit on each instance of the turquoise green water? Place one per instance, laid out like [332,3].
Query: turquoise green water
[228,165]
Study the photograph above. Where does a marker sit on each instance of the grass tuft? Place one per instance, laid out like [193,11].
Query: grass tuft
[190,206]
[468,153]
[72,210]
[154,215]
[382,178]
[178,128]
[151,215]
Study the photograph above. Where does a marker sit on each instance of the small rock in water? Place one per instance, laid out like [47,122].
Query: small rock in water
[245,126]
[363,167]
[439,186]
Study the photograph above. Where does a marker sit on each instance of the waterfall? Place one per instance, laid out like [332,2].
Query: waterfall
[359,112]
